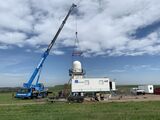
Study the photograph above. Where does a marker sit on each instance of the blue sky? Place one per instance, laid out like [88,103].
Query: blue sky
[120,40]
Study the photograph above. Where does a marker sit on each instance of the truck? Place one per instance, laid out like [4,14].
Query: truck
[137,91]
[149,89]
[30,90]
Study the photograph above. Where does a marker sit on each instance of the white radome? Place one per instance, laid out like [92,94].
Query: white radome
[77,67]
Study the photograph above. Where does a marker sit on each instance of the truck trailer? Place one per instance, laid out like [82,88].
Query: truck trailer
[149,89]
[92,85]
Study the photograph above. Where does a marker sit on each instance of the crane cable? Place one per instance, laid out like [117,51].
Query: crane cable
[76,48]
[76,44]
[77,52]
[76,27]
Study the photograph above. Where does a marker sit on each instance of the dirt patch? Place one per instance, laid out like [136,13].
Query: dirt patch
[134,98]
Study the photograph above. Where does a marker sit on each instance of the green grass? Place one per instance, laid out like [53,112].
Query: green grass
[7,98]
[86,111]
[91,111]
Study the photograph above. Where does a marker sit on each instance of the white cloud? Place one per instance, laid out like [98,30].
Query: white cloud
[53,52]
[12,37]
[104,26]
[142,67]
[15,15]
[117,71]
[155,69]
[4,47]
[58,52]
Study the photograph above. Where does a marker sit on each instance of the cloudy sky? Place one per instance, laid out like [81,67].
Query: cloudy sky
[119,39]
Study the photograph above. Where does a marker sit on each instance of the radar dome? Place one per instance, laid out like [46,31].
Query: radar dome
[77,67]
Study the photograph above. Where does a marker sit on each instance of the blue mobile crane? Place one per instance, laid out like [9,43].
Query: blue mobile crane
[30,90]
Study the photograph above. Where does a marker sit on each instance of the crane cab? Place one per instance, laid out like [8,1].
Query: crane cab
[23,93]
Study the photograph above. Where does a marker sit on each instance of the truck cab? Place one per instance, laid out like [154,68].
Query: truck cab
[137,91]
[34,92]
[23,93]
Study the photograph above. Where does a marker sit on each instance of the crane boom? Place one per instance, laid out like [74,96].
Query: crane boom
[46,53]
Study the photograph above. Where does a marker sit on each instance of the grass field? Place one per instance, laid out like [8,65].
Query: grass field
[13,109]
[91,111]
[7,98]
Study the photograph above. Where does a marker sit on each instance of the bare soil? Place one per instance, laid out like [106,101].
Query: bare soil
[121,98]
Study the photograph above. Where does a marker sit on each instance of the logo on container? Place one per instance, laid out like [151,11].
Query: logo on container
[76,81]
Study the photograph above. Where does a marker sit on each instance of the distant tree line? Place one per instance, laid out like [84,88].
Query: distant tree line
[8,89]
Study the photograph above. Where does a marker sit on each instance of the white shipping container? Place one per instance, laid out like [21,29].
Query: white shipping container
[92,85]
[147,88]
